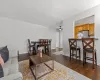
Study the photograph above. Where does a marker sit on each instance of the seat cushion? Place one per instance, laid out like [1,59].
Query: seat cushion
[5,71]
[11,66]
[12,53]
[15,76]
[89,50]
[75,47]
[4,53]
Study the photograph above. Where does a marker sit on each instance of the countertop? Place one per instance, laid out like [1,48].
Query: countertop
[81,39]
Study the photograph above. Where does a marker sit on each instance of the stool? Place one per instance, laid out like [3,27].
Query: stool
[88,47]
[73,47]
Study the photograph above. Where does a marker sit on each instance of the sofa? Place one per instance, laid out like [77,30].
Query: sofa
[11,68]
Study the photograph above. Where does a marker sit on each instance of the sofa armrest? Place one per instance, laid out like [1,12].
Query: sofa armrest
[15,76]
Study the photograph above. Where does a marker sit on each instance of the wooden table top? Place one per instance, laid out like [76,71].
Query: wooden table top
[36,59]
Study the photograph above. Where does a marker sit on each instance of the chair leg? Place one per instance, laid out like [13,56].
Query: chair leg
[70,54]
[76,54]
[95,59]
[83,58]
[79,55]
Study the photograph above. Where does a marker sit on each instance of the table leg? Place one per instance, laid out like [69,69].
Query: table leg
[35,72]
[53,64]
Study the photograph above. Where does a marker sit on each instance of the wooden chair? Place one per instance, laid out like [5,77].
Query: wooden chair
[88,47]
[47,45]
[31,48]
[74,47]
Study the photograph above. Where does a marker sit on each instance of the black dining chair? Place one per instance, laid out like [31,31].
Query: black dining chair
[73,47]
[31,48]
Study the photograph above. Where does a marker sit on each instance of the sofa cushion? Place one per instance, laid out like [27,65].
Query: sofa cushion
[4,53]
[12,53]
[11,66]
[15,76]
[13,69]
[5,71]
[1,72]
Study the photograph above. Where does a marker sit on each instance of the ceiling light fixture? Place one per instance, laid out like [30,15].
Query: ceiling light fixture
[60,26]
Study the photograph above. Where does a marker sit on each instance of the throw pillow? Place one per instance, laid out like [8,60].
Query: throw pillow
[4,53]
[1,72]
[1,60]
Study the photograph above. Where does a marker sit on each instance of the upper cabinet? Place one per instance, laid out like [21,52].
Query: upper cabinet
[89,27]
[85,27]
[75,32]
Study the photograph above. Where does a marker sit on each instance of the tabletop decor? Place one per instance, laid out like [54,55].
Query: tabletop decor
[40,51]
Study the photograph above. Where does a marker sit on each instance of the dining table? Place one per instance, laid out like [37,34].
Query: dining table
[38,44]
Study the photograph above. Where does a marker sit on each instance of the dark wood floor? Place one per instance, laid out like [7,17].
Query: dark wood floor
[75,65]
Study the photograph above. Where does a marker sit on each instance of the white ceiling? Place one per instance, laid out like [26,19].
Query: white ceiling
[43,12]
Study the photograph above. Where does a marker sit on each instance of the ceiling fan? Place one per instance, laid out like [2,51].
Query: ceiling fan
[60,26]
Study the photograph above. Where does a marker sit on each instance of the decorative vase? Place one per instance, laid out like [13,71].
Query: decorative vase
[40,51]
[40,54]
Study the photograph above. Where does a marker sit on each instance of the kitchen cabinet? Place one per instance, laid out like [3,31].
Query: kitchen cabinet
[91,29]
[84,27]
[80,28]
[76,30]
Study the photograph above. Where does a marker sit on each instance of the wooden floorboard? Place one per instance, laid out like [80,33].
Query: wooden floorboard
[75,65]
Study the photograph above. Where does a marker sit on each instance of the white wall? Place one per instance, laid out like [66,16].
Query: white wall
[68,27]
[87,20]
[15,33]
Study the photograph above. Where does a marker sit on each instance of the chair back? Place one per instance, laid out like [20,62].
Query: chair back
[43,41]
[88,43]
[29,46]
[29,43]
[72,43]
[47,45]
